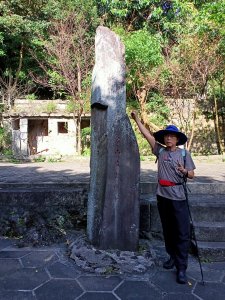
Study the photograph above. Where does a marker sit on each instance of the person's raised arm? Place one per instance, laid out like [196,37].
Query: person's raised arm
[150,138]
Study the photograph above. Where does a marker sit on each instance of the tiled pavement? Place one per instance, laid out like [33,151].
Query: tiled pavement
[46,273]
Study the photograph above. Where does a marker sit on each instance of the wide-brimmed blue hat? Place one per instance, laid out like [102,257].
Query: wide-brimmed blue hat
[159,135]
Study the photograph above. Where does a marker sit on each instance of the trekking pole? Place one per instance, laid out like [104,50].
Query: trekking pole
[193,228]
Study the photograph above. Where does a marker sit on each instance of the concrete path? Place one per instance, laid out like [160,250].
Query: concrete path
[45,273]
[78,170]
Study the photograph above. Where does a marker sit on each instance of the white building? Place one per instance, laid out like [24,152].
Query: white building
[43,126]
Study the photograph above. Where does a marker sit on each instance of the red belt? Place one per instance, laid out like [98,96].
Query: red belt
[163,182]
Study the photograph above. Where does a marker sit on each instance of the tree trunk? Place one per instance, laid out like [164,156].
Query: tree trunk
[217,127]
[13,84]
[142,96]
[80,110]
[79,135]
[192,132]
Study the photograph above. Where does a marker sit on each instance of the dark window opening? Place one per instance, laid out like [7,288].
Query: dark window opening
[16,124]
[62,127]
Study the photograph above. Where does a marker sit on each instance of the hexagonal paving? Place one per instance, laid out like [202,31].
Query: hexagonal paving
[166,281]
[8,265]
[24,279]
[211,290]
[18,295]
[99,283]
[58,289]
[13,254]
[137,290]
[97,296]
[209,275]
[41,274]
[5,243]
[59,270]
[174,296]
[39,258]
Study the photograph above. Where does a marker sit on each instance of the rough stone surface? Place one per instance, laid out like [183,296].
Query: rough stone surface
[42,215]
[113,205]
[98,261]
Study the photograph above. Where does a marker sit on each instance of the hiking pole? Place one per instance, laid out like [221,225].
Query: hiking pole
[193,228]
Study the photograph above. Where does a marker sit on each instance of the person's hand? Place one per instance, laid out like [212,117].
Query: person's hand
[181,169]
[133,115]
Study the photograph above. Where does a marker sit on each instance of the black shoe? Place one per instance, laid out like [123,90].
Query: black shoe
[169,264]
[181,277]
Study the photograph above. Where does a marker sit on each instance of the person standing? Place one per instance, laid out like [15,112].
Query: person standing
[174,166]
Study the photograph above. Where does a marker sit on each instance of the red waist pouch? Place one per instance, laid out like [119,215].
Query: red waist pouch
[163,182]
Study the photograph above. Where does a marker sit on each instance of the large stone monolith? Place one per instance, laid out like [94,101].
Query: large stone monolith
[113,204]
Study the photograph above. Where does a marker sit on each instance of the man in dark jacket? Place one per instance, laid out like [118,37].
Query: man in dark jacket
[174,164]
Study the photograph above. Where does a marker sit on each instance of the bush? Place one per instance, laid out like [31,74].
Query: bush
[5,141]
[86,141]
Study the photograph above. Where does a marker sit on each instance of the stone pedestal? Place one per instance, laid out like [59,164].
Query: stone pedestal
[113,204]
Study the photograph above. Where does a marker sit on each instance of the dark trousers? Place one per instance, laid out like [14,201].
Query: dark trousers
[175,221]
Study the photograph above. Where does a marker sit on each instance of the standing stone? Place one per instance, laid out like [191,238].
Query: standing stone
[113,204]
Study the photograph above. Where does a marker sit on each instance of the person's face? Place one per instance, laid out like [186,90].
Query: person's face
[170,140]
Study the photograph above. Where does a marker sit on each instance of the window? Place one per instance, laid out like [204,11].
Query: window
[16,124]
[62,127]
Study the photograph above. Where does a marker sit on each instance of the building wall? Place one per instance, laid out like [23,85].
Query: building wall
[60,142]
[50,136]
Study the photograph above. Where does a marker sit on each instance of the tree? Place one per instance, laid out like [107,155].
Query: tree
[67,65]
[144,60]
[192,65]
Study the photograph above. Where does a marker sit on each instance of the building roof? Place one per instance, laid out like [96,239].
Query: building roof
[40,108]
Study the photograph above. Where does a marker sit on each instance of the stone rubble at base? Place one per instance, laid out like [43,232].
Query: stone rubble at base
[99,261]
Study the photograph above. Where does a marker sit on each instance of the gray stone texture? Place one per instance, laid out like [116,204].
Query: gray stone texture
[113,205]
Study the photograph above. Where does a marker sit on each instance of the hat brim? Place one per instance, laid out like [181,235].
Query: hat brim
[159,136]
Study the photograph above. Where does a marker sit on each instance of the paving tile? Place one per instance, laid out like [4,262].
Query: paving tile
[58,289]
[59,270]
[97,296]
[39,259]
[4,243]
[8,265]
[180,296]
[220,266]
[23,279]
[166,281]
[210,291]
[137,290]
[13,254]
[209,275]
[99,283]
[19,295]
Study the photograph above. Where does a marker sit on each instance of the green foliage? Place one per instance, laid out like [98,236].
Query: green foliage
[70,106]
[85,141]
[157,109]
[156,34]
[54,159]
[5,141]
[31,97]
[143,50]
[40,159]
[51,107]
